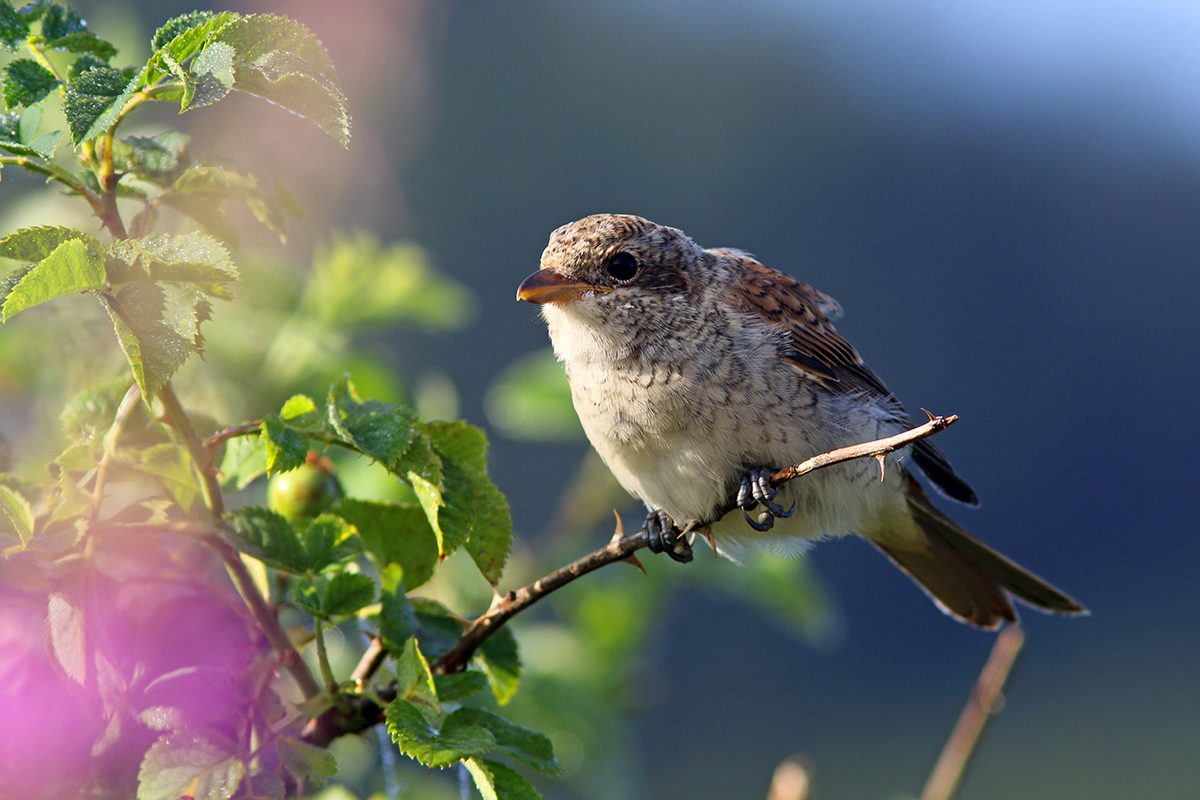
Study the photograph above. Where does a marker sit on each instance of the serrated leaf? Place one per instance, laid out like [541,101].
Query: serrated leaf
[182,36]
[346,593]
[34,244]
[25,82]
[83,42]
[158,326]
[305,761]
[18,511]
[194,257]
[307,596]
[267,536]
[280,60]
[74,265]
[502,662]
[459,685]
[475,511]
[32,12]
[496,781]
[414,681]
[212,71]
[172,467]
[59,21]
[13,29]
[531,748]
[95,99]
[431,746]
[245,460]
[329,540]
[286,447]
[189,764]
[394,534]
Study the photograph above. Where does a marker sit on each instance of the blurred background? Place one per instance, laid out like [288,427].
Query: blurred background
[1005,198]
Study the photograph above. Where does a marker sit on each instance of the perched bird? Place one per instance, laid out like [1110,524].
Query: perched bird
[699,373]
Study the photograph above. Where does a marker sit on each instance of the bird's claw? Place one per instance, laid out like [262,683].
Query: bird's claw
[664,536]
[755,490]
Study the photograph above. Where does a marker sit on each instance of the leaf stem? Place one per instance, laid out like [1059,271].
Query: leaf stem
[323,656]
[110,448]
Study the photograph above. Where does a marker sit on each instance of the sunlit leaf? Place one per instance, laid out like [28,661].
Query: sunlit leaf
[194,257]
[95,99]
[394,534]
[83,42]
[18,511]
[496,781]
[189,764]
[280,60]
[329,540]
[172,467]
[74,265]
[267,536]
[414,681]
[212,71]
[475,511]
[158,159]
[286,447]
[245,460]
[435,747]
[13,29]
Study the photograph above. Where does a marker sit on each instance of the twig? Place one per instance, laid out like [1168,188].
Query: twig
[624,546]
[210,487]
[365,713]
[984,702]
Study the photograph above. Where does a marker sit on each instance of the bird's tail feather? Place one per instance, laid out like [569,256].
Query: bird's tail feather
[965,577]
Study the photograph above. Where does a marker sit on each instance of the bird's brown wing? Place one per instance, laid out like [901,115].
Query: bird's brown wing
[815,347]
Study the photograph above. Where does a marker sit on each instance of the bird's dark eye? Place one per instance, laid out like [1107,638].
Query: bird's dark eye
[622,267]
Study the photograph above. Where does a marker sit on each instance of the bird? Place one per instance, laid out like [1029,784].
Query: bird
[698,373]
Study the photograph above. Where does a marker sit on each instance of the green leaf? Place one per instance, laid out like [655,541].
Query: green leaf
[59,21]
[502,663]
[193,257]
[346,593]
[301,412]
[34,244]
[158,325]
[245,460]
[182,36]
[171,466]
[394,534]
[83,42]
[158,159]
[32,12]
[459,685]
[307,596]
[13,30]
[437,628]
[74,265]
[414,681]
[189,764]
[431,746]
[529,747]
[305,761]
[286,447]
[280,60]
[267,536]
[532,400]
[329,540]
[95,99]
[212,72]
[475,510]
[25,82]
[65,620]
[18,511]
[499,782]
[397,623]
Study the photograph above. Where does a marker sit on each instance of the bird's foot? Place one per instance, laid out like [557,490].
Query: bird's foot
[664,536]
[756,490]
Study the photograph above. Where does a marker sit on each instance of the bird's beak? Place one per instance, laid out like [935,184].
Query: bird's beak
[547,286]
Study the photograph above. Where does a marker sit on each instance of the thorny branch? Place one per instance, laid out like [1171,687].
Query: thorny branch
[619,548]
